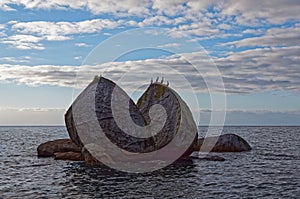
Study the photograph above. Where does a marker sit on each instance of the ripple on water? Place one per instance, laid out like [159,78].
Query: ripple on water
[271,169]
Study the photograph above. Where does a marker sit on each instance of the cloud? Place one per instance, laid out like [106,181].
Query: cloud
[224,26]
[29,35]
[254,12]
[62,28]
[250,71]
[205,19]
[155,20]
[81,44]
[35,109]
[24,42]
[78,57]
[22,59]
[253,31]
[127,7]
[262,69]
[169,45]
[272,37]
[195,29]
[163,12]
[38,75]
[4,5]
[3,34]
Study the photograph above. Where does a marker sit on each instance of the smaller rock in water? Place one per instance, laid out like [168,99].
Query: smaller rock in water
[73,156]
[48,149]
[225,143]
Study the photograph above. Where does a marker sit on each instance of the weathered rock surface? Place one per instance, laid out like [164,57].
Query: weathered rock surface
[73,156]
[49,148]
[179,120]
[225,143]
[101,108]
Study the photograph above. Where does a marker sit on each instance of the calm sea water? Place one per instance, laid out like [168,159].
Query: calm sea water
[271,170]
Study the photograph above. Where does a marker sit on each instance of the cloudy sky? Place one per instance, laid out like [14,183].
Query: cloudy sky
[253,46]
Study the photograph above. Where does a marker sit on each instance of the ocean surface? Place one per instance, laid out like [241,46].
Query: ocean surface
[270,170]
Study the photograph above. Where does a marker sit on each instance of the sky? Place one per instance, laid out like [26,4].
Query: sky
[241,58]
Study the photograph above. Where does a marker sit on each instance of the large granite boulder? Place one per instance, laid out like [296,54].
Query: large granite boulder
[225,143]
[48,149]
[104,108]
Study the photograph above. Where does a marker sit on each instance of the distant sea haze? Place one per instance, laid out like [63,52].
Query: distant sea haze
[271,169]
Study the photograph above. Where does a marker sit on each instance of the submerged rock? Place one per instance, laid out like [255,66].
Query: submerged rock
[49,148]
[225,143]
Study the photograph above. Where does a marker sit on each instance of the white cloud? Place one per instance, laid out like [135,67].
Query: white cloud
[23,42]
[126,7]
[78,57]
[193,18]
[246,12]
[261,69]
[38,75]
[5,7]
[29,35]
[273,37]
[252,12]
[169,45]
[36,109]
[156,20]
[195,29]
[107,34]
[224,26]
[249,71]
[253,31]
[3,34]
[81,44]
[46,28]
[169,7]
[22,59]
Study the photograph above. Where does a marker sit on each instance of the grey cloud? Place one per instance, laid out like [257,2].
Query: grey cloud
[127,7]
[255,11]
[272,37]
[242,72]
[200,21]
[29,35]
